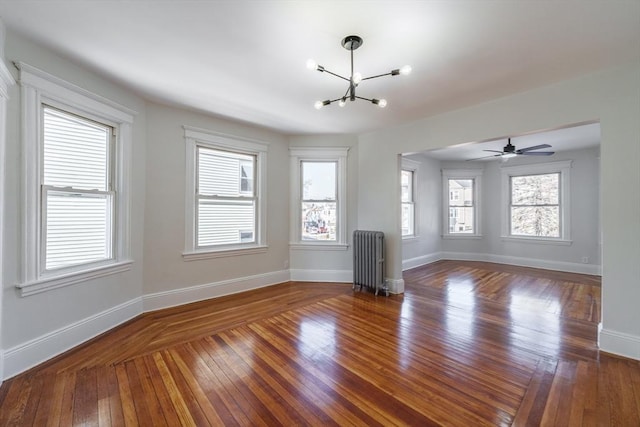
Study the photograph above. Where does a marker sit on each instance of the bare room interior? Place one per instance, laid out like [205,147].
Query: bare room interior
[319,213]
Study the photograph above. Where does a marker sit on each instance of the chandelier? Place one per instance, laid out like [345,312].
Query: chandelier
[351,43]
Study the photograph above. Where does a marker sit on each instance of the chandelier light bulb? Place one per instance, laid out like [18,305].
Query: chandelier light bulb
[318,105]
[382,103]
[342,102]
[405,70]
[311,64]
[357,78]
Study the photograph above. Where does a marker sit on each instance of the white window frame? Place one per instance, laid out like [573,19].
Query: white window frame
[476,176]
[311,154]
[413,167]
[561,167]
[38,88]
[195,137]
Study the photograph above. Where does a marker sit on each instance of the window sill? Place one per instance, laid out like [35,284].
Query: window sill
[318,246]
[409,239]
[537,240]
[222,253]
[462,236]
[48,283]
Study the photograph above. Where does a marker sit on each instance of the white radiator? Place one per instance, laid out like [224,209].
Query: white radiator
[368,260]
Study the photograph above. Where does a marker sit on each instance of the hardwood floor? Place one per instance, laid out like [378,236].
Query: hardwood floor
[467,344]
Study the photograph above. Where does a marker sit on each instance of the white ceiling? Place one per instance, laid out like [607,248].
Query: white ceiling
[246,59]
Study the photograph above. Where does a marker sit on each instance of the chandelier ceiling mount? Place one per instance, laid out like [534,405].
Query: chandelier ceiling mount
[352,43]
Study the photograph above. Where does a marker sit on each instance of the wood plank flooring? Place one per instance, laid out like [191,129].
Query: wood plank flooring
[468,344]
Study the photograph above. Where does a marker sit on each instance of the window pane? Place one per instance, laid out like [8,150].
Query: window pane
[461,220]
[220,173]
[222,222]
[407,219]
[319,180]
[319,221]
[78,229]
[76,151]
[535,189]
[406,186]
[461,192]
[541,221]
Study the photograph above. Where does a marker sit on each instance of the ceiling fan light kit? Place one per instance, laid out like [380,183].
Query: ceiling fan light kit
[510,151]
[351,43]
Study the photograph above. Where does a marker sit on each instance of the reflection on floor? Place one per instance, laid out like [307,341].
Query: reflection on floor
[467,344]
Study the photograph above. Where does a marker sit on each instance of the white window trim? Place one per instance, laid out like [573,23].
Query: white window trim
[413,166]
[476,175]
[298,155]
[564,169]
[201,137]
[38,87]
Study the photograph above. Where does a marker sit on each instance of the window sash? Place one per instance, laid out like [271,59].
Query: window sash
[74,234]
[319,217]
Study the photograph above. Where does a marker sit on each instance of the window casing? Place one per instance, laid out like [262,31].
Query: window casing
[76,197]
[461,203]
[318,197]
[536,202]
[407,200]
[225,204]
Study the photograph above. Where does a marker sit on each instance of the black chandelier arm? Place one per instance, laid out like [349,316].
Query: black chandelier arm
[324,70]
[364,99]
[391,73]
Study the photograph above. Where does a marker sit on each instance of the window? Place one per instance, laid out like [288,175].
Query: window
[536,202]
[318,206]
[77,196]
[461,202]
[407,200]
[77,148]
[226,212]
[225,207]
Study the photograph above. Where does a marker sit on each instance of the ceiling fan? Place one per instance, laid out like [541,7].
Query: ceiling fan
[510,150]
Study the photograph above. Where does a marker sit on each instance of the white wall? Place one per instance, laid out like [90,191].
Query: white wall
[329,265]
[37,325]
[426,246]
[611,96]
[166,272]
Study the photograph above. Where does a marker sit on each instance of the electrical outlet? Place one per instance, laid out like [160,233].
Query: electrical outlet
[585,260]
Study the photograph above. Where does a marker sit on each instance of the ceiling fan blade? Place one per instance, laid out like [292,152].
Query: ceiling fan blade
[535,147]
[486,157]
[537,153]
[493,151]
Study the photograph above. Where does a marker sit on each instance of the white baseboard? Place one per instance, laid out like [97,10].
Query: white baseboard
[619,343]
[1,366]
[341,276]
[569,267]
[27,355]
[182,296]
[421,260]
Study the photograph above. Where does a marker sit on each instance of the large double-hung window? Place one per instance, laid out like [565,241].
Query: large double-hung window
[536,202]
[225,202]
[318,197]
[76,183]
[461,202]
[77,193]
